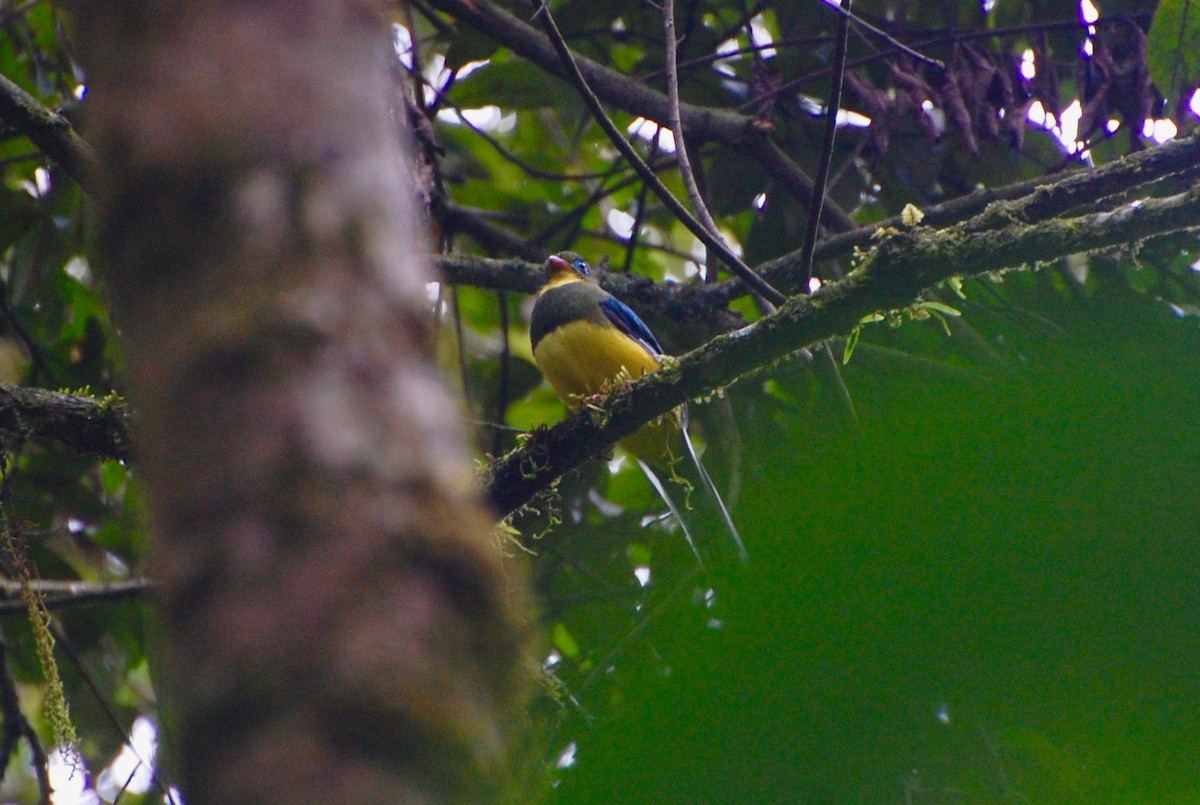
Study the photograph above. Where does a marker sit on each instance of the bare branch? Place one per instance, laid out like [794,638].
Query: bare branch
[701,122]
[848,16]
[676,124]
[830,136]
[631,155]
[58,594]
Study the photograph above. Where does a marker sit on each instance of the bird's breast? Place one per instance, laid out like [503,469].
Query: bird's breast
[583,357]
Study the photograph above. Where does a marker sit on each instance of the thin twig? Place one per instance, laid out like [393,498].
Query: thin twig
[830,137]
[848,15]
[68,650]
[483,423]
[610,237]
[630,153]
[701,61]
[574,217]
[58,593]
[37,357]
[414,73]
[954,36]
[639,212]
[676,123]
[17,726]
[800,185]
[530,169]
[824,365]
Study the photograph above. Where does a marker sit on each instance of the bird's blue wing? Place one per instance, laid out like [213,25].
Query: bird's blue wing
[629,323]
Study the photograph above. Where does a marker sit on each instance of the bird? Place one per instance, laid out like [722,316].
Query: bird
[586,342]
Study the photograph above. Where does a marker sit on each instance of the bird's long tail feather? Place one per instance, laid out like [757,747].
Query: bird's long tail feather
[661,488]
[711,487]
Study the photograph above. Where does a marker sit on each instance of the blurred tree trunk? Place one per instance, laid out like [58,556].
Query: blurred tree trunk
[340,626]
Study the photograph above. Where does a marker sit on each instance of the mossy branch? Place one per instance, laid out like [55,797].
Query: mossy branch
[86,424]
[903,266]
[1026,202]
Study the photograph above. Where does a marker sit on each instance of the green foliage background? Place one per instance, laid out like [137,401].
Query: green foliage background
[986,598]
[983,597]
[986,595]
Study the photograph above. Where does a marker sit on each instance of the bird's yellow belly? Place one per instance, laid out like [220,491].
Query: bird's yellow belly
[583,358]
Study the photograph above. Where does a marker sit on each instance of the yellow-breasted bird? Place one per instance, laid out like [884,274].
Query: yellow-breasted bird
[586,341]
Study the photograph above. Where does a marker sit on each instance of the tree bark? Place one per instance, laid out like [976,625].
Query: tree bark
[339,623]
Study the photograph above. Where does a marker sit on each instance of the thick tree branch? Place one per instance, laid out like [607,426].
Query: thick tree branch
[456,218]
[905,265]
[685,303]
[85,424]
[50,132]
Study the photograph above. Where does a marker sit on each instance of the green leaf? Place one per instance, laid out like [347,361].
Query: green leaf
[956,284]
[469,45]
[541,407]
[629,489]
[939,307]
[734,180]
[112,476]
[1173,51]
[564,642]
[851,343]
[510,85]
[640,553]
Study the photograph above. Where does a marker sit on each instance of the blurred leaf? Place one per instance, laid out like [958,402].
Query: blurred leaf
[1173,49]
[541,407]
[564,642]
[734,181]
[515,84]
[939,307]
[468,45]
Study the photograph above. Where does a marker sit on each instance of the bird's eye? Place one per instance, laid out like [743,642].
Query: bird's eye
[581,266]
